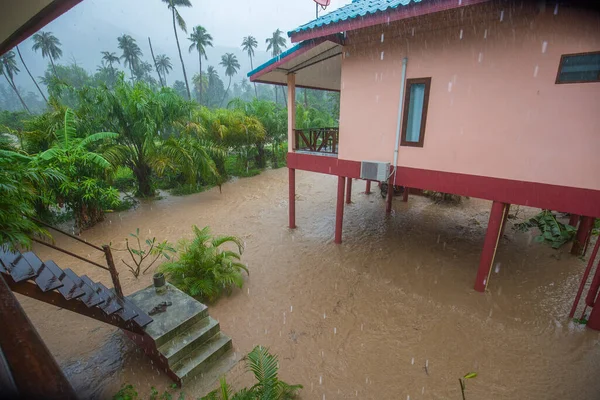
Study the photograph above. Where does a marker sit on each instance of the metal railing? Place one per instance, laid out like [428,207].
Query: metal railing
[111,268]
[317,140]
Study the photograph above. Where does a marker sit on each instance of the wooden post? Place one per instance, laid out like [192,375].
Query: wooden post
[582,238]
[348,190]
[339,210]
[504,219]
[291,108]
[574,220]
[114,274]
[490,245]
[405,195]
[390,195]
[34,371]
[292,205]
[368,189]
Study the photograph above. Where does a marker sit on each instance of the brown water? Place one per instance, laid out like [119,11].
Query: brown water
[360,320]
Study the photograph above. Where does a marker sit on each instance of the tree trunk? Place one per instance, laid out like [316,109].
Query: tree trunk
[142,175]
[31,76]
[260,159]
[12,85]
[54,68]
[201,83]
[187,85]
[155,64]
[252,68]
[224,97]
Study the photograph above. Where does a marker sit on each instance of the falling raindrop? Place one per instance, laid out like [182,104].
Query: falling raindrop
[485,34]
[544,46]
[334,331]
[423,390]
[284,318]
[449,86]
[407,397]
[382,35]
[291,308]
[324,315]
[362,326]
[459,2]
[320,379]
[248,291]
[412,362]
[497,268]
[480,58]
[413,31]
[382,55]
[535,71]
[556,9]
[323,396]
[501,15]
[461,34]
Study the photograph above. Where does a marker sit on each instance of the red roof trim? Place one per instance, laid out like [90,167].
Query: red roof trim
[396,14]
[37,22]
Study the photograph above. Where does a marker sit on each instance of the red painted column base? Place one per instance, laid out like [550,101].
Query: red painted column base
[368,189]
[292,205]
[339,210]
[390,196]
[490,245]
[582,238]
[349,190]
[405,195]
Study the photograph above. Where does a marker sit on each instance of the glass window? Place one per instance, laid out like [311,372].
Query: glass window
[578,68]
[415,111]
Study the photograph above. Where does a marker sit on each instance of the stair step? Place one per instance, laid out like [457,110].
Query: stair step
[142,319]
[182,344]
[45,279]
[69,289]
[200,358]
[17,266]
[108,305]
[90,298]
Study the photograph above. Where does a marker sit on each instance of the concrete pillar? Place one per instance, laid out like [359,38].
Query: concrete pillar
[368,189]
[339,210]
[405,195]
[582,238]
[291,101]
[490,245]
[390,195]
[574,220]
[292,204]
[348,190]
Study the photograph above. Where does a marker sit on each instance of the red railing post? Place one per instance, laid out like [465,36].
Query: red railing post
[114,274]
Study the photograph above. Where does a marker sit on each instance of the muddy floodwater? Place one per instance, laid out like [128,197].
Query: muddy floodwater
[359,320]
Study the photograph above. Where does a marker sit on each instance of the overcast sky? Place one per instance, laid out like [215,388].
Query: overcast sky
[94,25]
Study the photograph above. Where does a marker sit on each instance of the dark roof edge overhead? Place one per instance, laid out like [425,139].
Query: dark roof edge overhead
[37,22]
[349,18]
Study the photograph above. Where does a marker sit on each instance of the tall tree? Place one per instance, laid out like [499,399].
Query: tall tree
[8,68]
[31,76]
[155,64]
[131,53]
[276,44]
[200,41]
[231,64]
[178,20]
[50,46]
[110,58]
[164,66]
[248,45]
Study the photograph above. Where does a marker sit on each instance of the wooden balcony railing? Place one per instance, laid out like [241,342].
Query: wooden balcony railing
[318,140]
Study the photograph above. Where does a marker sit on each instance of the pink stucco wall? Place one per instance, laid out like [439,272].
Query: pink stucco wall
[494,107]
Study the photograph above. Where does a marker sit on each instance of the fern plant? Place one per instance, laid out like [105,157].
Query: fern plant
[203,269]
[265,367]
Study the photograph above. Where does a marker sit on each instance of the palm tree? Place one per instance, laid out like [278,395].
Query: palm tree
[248,45]
[276,44]
[110,58]
[8,68]
[131,53]
[231,64]
[50,46]
[163,64]
[31,76]
[173,4]
[200,41]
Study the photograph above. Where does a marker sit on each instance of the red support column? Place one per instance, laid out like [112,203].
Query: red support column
[390,195]
[574,220]
[591,301]
[292,205]
[490,245]
[405,195]
[368,189]
[339,210]
[348,190]
[582,238]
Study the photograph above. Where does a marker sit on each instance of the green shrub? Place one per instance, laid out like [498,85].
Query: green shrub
[185,189]
[203,270]
[124,179]
[551,231]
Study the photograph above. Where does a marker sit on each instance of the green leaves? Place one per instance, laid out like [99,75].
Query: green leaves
[551,230]
[470,375]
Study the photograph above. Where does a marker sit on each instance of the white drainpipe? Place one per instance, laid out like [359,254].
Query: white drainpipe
[400,108]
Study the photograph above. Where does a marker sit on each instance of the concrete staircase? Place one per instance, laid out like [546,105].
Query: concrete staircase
[183,339]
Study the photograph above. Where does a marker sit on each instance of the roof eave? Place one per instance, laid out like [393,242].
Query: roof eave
[384,17]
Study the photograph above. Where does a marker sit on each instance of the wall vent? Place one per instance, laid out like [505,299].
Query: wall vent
[374,170]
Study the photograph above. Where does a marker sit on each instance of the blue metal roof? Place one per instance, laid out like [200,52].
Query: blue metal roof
[279,57]
[358,8]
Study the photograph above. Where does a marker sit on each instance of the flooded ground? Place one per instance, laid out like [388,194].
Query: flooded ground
[360,320]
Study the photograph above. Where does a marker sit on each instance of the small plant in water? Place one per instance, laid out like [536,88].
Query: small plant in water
[153,248]
[203,269]
[552,231]
[463,383]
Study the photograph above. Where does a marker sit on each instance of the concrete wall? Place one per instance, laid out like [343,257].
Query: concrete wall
[494,107]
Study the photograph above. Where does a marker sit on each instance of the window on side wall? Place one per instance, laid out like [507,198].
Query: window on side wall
[415,111]
[579,68]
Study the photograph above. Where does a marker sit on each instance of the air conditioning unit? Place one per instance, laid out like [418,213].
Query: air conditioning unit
[374,170]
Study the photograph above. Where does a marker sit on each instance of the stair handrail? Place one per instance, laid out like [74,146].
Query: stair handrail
[112,269]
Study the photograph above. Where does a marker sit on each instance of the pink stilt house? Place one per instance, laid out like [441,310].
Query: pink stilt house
[498,100]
